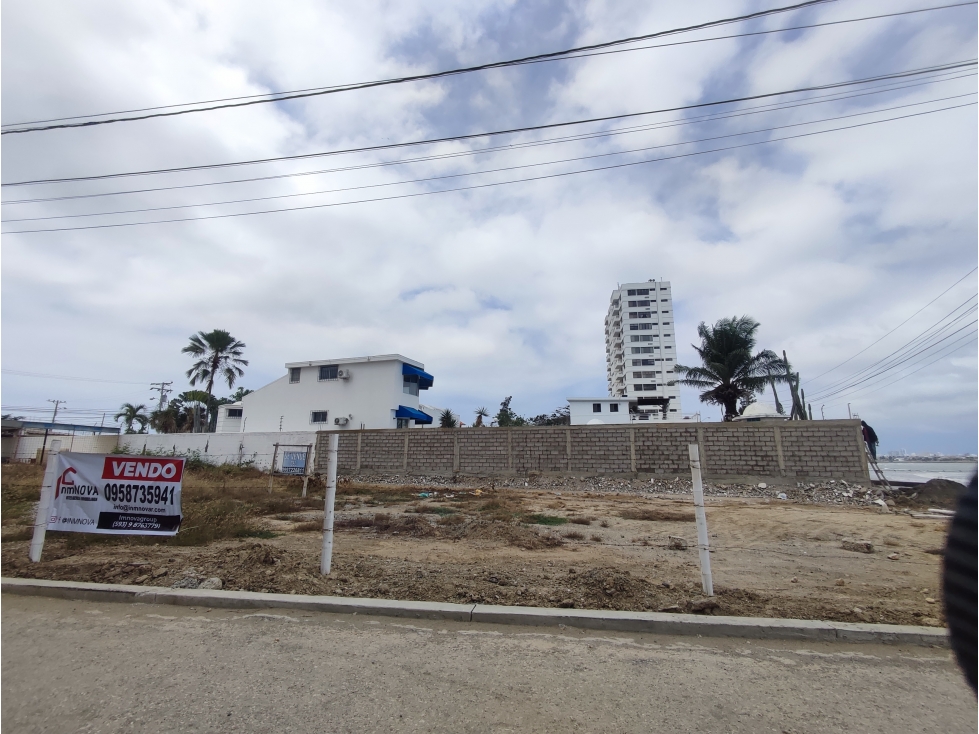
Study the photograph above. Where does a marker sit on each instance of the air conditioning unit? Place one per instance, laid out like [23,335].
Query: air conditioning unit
[340,421]
[343,374]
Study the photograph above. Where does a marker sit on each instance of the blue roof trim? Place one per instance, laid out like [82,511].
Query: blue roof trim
[412,414]
[425,380]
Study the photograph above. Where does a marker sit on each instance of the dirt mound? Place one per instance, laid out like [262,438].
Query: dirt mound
[942,493]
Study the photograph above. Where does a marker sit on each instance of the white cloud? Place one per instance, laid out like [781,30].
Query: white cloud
[829,241]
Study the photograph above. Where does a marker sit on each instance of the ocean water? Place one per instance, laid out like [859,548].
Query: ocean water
[922,471]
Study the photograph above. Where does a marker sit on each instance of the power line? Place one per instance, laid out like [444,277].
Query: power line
[950,350]
[710,117]
[431,141]
[298,94]
[896,354]
[897,360]
[483,172]
[896,327]
[493,184]
[569,54]
[23,373]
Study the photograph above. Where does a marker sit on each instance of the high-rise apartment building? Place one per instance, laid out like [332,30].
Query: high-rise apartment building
[640,350]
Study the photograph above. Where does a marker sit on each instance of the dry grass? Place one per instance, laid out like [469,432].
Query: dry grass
[574,535]
[596,538]
[581,520]
[658,515]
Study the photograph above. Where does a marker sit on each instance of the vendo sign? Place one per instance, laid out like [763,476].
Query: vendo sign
[166,470]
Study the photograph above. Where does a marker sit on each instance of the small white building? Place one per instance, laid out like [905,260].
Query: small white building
[360,392]
[595,411]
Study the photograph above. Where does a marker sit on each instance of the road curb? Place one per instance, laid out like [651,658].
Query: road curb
[759,628]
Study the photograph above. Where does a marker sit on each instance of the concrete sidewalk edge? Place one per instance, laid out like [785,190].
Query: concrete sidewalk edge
[760,628]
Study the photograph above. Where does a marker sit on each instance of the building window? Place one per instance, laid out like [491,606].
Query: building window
[642,291]
[648,388]
[640,315]
[234,412]
[664,311]
[648,362]
[328,372]
[596,407]
[403,422]
[667,347]
[673,410]
[410,385]
[637,374]
[647,374]
[668,359]
[613,408]
[318,416]
[637,388]
[641,327]
[294,373]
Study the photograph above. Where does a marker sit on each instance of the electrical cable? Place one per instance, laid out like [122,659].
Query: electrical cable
[968,339]
[555,56]
[899,361]
[24,373]
[896,327]
[711,117]
[897,353]
[479,173]
[848,388]
[511,131]
[282,96]
[493,184]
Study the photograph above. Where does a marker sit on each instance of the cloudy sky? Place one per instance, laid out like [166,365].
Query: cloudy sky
[829,240]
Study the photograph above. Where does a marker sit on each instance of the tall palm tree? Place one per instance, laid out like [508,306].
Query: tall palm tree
[480,414]
[730,371]
[218,355]
[130,414]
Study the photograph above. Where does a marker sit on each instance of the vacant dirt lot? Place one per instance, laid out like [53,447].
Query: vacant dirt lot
[524,546]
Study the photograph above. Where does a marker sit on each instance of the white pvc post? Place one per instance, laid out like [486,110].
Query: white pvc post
[703,541]
[326,558]
[47,499]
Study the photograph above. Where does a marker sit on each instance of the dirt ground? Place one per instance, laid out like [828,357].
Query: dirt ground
[514,545]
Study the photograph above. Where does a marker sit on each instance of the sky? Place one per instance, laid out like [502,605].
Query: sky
[845,245]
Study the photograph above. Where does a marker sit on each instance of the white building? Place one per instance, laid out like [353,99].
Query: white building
[640,350]
[360,392]
[593,411]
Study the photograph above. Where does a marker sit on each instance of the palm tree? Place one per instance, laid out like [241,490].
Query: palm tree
[480,414]
[730,372]
[130,414]
[196,403]
[447,420]
[218,355]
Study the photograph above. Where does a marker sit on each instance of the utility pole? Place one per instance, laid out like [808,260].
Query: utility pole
[57,404]
[164,389]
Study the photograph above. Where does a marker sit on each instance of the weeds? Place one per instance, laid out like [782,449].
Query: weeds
[658,515]
[546,519]
[574,535]
[596,538]
[581,520]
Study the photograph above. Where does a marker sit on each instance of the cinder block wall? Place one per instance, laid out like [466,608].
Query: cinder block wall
[783,452]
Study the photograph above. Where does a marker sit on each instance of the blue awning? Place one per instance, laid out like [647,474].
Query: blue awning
[412,414]
[425,380]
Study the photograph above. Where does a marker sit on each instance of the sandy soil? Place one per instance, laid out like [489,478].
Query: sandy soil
[770,558]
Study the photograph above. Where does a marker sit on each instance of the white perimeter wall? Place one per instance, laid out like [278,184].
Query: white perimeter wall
[373,392]
[221,448]
[28,446]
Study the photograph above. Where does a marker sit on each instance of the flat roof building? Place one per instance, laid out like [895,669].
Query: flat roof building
[359,392]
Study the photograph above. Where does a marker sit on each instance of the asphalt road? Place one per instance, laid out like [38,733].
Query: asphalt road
[97,667]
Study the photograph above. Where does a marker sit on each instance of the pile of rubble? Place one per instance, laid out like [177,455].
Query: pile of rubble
[830,491]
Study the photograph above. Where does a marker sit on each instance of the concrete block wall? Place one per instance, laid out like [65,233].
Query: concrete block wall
[783,452]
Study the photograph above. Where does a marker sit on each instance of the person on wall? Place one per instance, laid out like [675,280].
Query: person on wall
[871,439]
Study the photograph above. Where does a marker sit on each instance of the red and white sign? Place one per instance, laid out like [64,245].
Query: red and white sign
[116,495]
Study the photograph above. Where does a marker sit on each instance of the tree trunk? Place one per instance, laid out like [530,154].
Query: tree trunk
[778,406]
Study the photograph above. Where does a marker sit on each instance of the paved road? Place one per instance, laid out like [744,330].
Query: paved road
[95,667]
